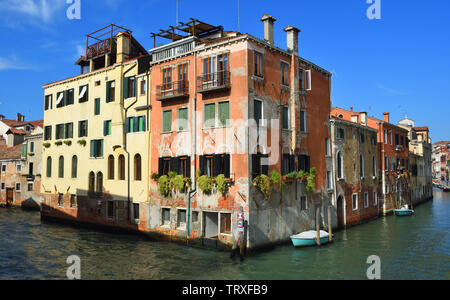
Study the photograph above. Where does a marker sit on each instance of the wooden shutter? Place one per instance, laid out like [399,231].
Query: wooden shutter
[291,163]
[217,160]
[227,164]
[125,87]
[175,164]
[188,167]
[308,163]
[160,166]
[202,164]
[265,167]
[108,91]
[255,170]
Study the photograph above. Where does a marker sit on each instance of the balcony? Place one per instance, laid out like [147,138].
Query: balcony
[172,90]
[214,82]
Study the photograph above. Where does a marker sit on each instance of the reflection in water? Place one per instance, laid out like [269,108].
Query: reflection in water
[414,247]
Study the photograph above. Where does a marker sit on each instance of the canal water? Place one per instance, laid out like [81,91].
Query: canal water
[416,247]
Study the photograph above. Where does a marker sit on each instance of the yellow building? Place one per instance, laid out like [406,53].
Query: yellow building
[95,162]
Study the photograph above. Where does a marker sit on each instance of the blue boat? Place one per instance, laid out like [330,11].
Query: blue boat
[309,238]
[404,211]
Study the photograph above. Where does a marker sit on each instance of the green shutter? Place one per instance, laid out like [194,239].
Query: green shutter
[97,106]
[182,119]
[142,123]
[210,114]
[285,118]
[109,127]
[125,87]
[101,148]
[92,148]
[257,111]
[224,112]
[108,92]
[46,103]
[167,121]
[66,98]
[131,124]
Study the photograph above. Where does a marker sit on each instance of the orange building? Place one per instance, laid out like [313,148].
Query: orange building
[227,103]
[393,148]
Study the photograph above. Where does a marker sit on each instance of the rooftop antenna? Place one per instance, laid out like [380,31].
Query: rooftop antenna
[176,13]
[239,23]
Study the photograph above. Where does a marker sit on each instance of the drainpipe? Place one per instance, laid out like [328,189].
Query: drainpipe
[125,138]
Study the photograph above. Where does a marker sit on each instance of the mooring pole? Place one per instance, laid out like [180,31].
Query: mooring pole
[318,225]
[330,230]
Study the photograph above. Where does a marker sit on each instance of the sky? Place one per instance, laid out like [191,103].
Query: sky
[398,63]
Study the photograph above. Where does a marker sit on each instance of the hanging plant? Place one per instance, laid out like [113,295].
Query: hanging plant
[46,145]
[262,182]
[30,154]
[58,143]
[222,184]
[164,185]
[205,183]
[82,142]
[68,143]
[155,177]
[178,183]
[311,181]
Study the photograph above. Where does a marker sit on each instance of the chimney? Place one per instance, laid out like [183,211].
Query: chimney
[123,46]
[364,118]
[292,39]
[18,117]
[2,117]
[268,28]
[351,108]
[386,117]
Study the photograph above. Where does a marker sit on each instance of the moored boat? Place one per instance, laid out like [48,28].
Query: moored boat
[309,238]
[404,211]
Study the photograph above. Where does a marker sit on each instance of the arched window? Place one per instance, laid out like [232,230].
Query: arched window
[61,167]
[91,182]
[137,167]
[121,167]
[49,167]
[361,165]
[339,166]
[374,166]
[99,188]
[74,166]
[111,167]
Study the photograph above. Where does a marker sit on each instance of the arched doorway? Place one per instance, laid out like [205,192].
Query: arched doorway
[341,211]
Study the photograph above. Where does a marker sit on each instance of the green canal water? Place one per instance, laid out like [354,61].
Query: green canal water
[416,247]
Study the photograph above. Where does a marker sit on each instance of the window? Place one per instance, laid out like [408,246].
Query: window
[375,200]
[99,187]
[284,74]
[3,168]
[143,87]
[355,201]
[210,115]
[73,201]
[182,119]
[214,165]
[327,147]
[385,136]
[129,86]
[164,165]
[165,212]
[257,111]
[96,148]
[135,124]
[48,102]
[374,140]
[107,128]
[32,147]
[225,223]
[111,167]
[69,96]
[137,167]
[340,166]
[60,99]
[167,79]
[183,78]
[366,200]
[110,209]
[397,141]
[340,133]
[184,167]
[224,113]
[167,121]
[308,84]
[303,203]
[195,216]
[390,137]
[68,130]
[19,168]
[30,187]
[181,218]
[285,118]
[386,163]
[258,64]
[47,133]
[136,211]
[110,91]
[303,121]
[258,168]
[329,180]
[74,166]
[3,186]
[121,167]
[61,167]
[402,140]
[97,106]
[374,166]
[97,83]
[83,93]
[392,164]
[91,183]
[362,138]
[59,131]
[83,128]
[301,81]
[60,200]
[304,163]
[49,167]
[18,187]
[209,164]
[361,166]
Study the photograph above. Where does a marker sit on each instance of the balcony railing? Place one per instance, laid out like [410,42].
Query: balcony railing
[211,82]
[172,90]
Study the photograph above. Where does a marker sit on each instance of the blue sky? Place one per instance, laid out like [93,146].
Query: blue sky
[398,64]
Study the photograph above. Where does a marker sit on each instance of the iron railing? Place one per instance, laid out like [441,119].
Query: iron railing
[214,81]
[174,89]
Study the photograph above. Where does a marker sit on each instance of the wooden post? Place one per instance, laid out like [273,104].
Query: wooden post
[330,230]
[318,225]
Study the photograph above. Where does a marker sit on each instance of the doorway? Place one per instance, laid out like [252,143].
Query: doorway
[9,196]
[211,225]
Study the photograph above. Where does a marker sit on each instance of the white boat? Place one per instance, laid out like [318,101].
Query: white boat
[309,238]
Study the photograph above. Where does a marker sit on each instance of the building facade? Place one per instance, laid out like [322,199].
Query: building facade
[441,162]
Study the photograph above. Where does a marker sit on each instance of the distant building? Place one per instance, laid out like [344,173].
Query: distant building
[441,162]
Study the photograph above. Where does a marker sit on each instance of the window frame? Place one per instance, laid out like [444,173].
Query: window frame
[355,201]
